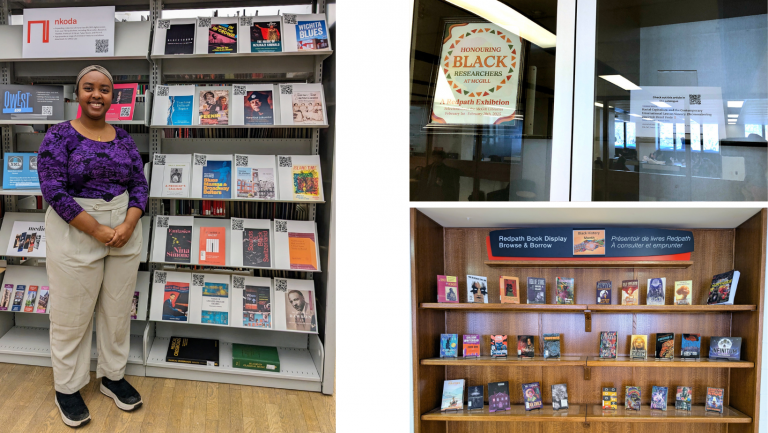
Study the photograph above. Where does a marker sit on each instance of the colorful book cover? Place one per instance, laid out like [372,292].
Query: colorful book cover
[659,398]
[256,252]
[213,246]
[256,183]
[498,396]
[537,290]
[175,301]
[447,288]
[564,291]
[18,297]
[477,289]
[471,345]
[610,398]
[608,341]
[683,398]
[222,39]
[604,292]
[589,242]
[453,395]
[214,106]
[215,309]
[134,305]
[449,345]
[306,182]
[630,292]
[498,345]
[302,252]
[180,39]
[42,300]
[723,288]
[725,348]
[311,35]
[217,179]
[265,36]
[257,307]
[259,108]
[20,171]
[509,288]
[715,399]
[683,292]
[180,110]
[690,346]
[29,303]
[123,102]
[307,108]
[5,300]
[639,347]
[656,289]
[665,346]
[525,348]
[551,346]
[560,396]
[475,397]
[632,399]
[532,396]
[178,244]
[31,102]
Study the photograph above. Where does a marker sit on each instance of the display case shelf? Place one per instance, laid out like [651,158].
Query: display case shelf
[624,361]
[669,308]
[235,199]
[577,264]
[697,414]
[529,308]
[580,308]
[574,413]
[512,361]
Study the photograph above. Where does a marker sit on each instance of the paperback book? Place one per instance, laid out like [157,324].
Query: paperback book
[213,104]
[265,34]
[173,105]
[725,348]
[29,303]
[299,177]
[477,289]
[256,177]
[179,38]
[604,291]
[632,399]
[639,347]
[305,32]
[723,288]
[560,396]
[656,289]
[453,395]
[447,289]
[525,348]
[176,301]
[665,346]
[690,347]
[253,357]
[302,104]
[296,245]
[215,297]
[659,398]
[42,300]
[532,396]
[170,176]
[172,239]
[610,398]
[251,243]
[498,396]
[25,102]
[683,398]
[295,305]
[509,288]
[608,340]
[222,38]
[564,290]
[683,292]
[27,239]
[213,246]
[537,290]
[449,345]
[252,299]
[123,102]
[551,346]
[715,399]
[471,345]
[211,176]
[629,292]
[475,397]
[498,346]
[20,171]
[198,351]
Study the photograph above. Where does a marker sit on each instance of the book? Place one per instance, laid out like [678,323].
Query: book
[629,292]
[252,299]
[477,289]
[179,38]
[715,399]
[215,305]
[683,398]
[29,303]
[299,178]
[665,345]
[27,239]
[178,244]
[532,396]
[453,395]
[639,347]
[589,242]
[295,245]
[683,292]
[498,346]
[26,102]
[18,297]
[537,290]
[213,246]
[175,301]
[447,288]
[725,348]
[509,288]
[604,292]
[610,398]
[213,105]
[560,396]
[551,346]
[251,243]
[173,105]
[564,291]
[198,351]
[265,34]
[296,300]
[690,346]
[170,176]
[475,397]
[5,298]
[498,396]
[656,289]
[449,345]
[608,340]
[525,348]
[305,32]
[211,176]
[302,104]
[471,345]
[254,104]
[254,357]
[256,177]
[723,288]
[222,38]
[134,304]
[20,171]
[659,398]
[123,102]
[632,399]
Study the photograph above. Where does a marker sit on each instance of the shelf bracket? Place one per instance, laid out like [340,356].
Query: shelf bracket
[587,321]
[587,372]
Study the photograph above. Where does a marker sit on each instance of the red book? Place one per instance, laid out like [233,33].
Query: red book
[447,289]
[213,246]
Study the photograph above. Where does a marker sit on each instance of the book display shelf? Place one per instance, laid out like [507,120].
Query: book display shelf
[459,250]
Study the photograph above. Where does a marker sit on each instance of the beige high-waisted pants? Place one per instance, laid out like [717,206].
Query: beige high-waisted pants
[83,274]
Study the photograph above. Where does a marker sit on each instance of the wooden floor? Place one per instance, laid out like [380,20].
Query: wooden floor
[173,406]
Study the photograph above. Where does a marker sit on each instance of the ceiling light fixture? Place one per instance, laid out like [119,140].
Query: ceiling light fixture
[735,104]
[620,81]
[504,16]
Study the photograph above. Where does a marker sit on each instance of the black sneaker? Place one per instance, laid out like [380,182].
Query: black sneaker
[73,410]
[125,396]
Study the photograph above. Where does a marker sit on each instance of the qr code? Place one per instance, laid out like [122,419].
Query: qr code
[695,99]
[198,280]
[47,110]
[125,111]
[160,277]
[241,160]
[162,222]
[246,21]
[237,224]
[238,90]
[164,24]
[162,90]
[102,46]
[238,282]
[281,226]
[201,160]
[281,285]
[285,161]
[290,18]
[286,90]
[204,22]
[159,159]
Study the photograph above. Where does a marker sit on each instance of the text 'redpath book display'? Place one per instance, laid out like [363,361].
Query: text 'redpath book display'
[659,398]
[171,176]
[453,395]
[251,243]
[471,345]
[715,399]
[683,292]
[656,290]
[260,34]
[509,289]
[498,346]
[477,289]
[211,176]
[537,290]
[255,177]
[532,396]
[560,396]
[295,306]
[173,105]
[564,291]
[498,396]
[525,347]
[20,171]
[252,299]
[690,346]
[22,102]
[551,346]
[638,348]
[447,288]
[198,351]
[254,105]
[725,348]
[603,295]
[630,292]
[723,288]
[302,104]
[665,346]
[254,357]
[305,32]
[608,341]
[632,398]
[300,177]
[449,345]
[123,102]
[27,239]
[296,245]
[683,398]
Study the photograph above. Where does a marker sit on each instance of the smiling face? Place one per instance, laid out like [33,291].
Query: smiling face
[95,95]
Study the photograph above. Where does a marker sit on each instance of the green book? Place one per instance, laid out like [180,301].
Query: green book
[255,357]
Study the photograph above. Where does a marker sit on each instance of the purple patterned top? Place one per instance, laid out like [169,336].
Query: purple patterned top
[71,165]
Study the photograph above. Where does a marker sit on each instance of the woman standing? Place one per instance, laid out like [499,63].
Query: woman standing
[92,176]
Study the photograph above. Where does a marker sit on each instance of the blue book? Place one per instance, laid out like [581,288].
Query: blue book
[690,346]
[449,345]
[18,297]
[20,171]
[725,348]
[217,179]
[180,110]
[311,35]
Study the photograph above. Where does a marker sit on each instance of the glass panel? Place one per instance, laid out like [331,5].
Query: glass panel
[690,88]
[482,99]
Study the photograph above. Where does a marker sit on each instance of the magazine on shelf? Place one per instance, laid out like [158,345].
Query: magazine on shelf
[123,102]
[213,104]
[296,245]
[211,176]
[27,239]
[294,304]
[305,32]
[300,177]
[251,243]
[171,176]
[255,177]
[254,104]
[260,34]
[25,102]
[302,104]
[216,35]
[252,299]
[172,239]
[174,36]
[20,171]
[174,106]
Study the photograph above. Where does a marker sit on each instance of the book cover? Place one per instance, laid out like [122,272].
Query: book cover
[18,297]
[134,305]
[32,102]
[564,291]
[176,179]
[665,346]
[498,346]
[659,398]
[725,348]
[253,357]
[256,183]
[537,290]
[175,301]
[214,106]
[311,35]
[589,242]
[222,38]
[299,177]
[307,107]
[215,308]
[123,102]
[610,398]
[551,346]
[509,288]
[683,292]
[256,252]
[498,396]
[532,396]
[259,108]
[306,182]
[212,246]
[20,171]
[723,288]
[477,289]
[257,307]
[447,288]
[266,36]
[217,179]
[471,345]
[683,398]
[475,397]
[715,399]
[179,110]
[608,340]
[178,244]
[449,345]
[690,347]
[29,303]
[525,348]
[656,289]
[300,311]
[197,351]
[629,292]
[639,347]
[604,292]
[180,39]
[5,299]
[42,300]
[453,395]
[632,399]
[560,396]
[302,251]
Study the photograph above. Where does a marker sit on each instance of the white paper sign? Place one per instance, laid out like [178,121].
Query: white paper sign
[69,32]
[27,239]
[671,105]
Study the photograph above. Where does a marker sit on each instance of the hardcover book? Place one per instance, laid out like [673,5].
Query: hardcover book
[453,395]
[725,348]
[475,397]
[608,340]
[564,290]
[123,102]
[299,177]
[213,104]
[222,38]
[42,300]
[175,301]
[266,34]
[302,104]
[639,347]
[18,297]
[180,39]
[27,239]
[656,289]
[253,357]
[5,299]
[198,351]
[307,32]
[29,303]
[532,396]
[447,289]
[449,345]
[690,347]
[26,102]
[498,346]
[212,246]
[20,171]
[723,288]
[683,292]
[215,307]
[604,291]
[632,399]
[296,245]
[256,177]
[715,399]
[610,398]
[498,396]
[134,303]
[551,346]
[659,398]
[178,244]
[525,348]
[170,176]
[629,292]
[665,346]
[537,290]
[173,106]
[212,176]
[477,289]
[251,243]
[471,345]
[560,396]
[509,288]
[683,398]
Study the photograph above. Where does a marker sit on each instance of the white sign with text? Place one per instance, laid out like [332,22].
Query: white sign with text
[670,105]
[69,32]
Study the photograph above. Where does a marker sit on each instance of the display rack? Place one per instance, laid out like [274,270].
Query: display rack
[458,251]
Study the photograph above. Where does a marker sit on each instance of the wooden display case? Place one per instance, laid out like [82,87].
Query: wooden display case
[438,250]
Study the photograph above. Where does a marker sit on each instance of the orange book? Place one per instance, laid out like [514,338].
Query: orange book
[213,246]
[302,251]
[509,289]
